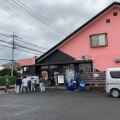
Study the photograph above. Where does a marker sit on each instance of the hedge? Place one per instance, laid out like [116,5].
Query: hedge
[3,78]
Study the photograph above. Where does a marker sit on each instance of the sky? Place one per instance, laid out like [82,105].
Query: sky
[38,25]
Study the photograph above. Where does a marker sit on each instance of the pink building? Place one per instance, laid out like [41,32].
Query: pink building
[27,62]
[92,47]
[99,40]
[28,66]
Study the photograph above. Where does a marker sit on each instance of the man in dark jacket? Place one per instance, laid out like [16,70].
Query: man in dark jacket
[18,84]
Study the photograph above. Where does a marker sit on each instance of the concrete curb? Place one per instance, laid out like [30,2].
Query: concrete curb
[56,87]
[48,87]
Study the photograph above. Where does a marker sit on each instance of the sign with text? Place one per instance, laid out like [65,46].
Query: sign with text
[60,79]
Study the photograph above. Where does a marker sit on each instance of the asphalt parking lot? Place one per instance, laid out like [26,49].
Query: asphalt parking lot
[55,104]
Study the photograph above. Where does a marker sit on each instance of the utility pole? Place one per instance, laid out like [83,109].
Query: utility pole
[13,47]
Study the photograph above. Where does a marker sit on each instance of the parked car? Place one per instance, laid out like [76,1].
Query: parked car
[113,82]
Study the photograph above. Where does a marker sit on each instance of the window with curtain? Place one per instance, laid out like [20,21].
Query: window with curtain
[98,40]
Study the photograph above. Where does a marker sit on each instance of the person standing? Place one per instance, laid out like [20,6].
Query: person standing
[33,83]
[18,84]
[29,84]
[56,77]
[7,85]
[41,84]
[21,87]
[25,84]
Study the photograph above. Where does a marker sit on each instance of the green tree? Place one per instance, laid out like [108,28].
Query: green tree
[7,72]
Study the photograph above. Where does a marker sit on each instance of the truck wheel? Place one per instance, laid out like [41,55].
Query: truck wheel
[115,93]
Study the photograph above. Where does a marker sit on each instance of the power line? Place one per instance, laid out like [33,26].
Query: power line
[20,46]
[18,49]
[13,47]
[25,30]
[24,19]
[6,59]
[26,12]
[6,35]
[39,18]
[48,21]
[26,51]
[29,43]
[18,39]
[29,48]
[5,46]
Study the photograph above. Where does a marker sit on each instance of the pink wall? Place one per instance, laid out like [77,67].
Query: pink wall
[27,62]
[104,56]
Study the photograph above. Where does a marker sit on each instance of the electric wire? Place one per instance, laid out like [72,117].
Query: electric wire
[17,8]
[6,35]
[44,19]
[19,49]
[6,59]
[39,17]
[18,39]
[27,51]
[5,46]
[25,30]
[29,43]
[24,19]
[21,46]
[31,15]
[29,48]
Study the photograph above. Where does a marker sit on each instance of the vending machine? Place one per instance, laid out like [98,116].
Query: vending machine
[71,79]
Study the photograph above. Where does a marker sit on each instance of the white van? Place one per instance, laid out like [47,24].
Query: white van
[113,82]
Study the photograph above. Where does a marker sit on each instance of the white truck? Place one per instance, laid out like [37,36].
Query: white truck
[113,82]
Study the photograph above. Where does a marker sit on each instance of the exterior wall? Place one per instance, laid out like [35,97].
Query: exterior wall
[30,70]
[103,56]
[27,62]
[57,57]
[29,65]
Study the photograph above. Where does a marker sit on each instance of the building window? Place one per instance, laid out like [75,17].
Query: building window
[71,66]
[26,69]
[108,21]
[65,66]
[98,40]
[115,74]
[85,67]
[53,66]
[44,67]
[115,14]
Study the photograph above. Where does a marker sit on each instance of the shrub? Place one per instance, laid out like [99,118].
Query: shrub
[3,78]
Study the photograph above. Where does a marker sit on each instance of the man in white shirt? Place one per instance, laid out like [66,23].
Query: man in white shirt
[25,84]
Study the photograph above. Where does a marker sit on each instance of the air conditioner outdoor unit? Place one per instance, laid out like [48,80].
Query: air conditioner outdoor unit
[117,60]
[85,57]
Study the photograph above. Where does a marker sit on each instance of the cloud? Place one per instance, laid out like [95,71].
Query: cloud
[67,15]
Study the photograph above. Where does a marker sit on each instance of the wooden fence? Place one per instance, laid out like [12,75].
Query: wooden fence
[96,80]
